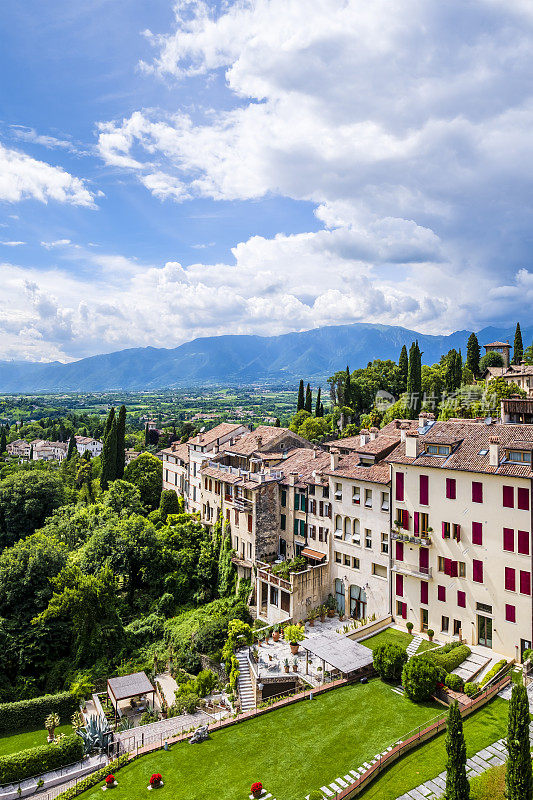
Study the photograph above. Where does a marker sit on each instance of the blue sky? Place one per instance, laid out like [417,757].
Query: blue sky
[172,170]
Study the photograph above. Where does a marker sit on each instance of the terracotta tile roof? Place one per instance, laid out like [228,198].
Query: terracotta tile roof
[304,462]
[224,429]
[180,451]
[468,440]
[386,439]
[376,473]
[262,437]
[497,344]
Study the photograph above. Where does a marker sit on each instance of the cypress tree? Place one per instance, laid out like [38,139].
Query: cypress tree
[109,457]
[72,448]
[301,398]
[318,404]
[121,442]
[308,400]
[146,435]
[473,352]
[414,377]
[31,453]
[348,388]
[277,423]
[518,350]
[403,364]
[3,441]
[518,780]
[109,421]
[457,785]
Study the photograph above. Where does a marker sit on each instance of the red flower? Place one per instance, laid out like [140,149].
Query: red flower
[110,780]
[257,788]
[155,779]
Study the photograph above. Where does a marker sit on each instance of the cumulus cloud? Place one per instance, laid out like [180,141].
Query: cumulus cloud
[23,177]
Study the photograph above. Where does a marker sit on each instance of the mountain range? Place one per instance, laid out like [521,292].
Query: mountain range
[239,360]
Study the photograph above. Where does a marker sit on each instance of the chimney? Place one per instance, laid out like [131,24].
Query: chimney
[292,478]
[422,419]
[404,427]
[334,456]
[411,444]
[315,452]
[259,441]
[374,433]
[365,435]
[215,449]
[494,451]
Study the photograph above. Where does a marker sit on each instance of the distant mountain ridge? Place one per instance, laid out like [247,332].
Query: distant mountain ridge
[239,360]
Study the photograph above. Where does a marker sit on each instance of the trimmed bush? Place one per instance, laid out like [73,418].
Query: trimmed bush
[470,689]
[95,777]
[454,682]
[30,714]
[419,678]
[448,657]
[389,660]
[36,760]
[492,672]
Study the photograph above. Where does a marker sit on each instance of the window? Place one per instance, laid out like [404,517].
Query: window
[368,498]
[384,542]
[250,550]
[356,536]
[445,624]
[356,564]
[446,530]
[338,491]
[523,499]
[462,569]
[477,533]
[484,608]
[399,485]
[508,540]
[510,613]
[477,492]
[283,497]
[236,514]
[461,599]
[356,495]
[401,609]
[325,491]
[338,559]
[441,593]
[523,543]
[283,522]
[456,532]
[338,526]
[273,596]
[508,497]
[402,518]
[456,627]
[385,501]
[399,585]
[525,582]
[424,523]
[441,563]
[346,560]
[368,538]
[299,501]
[477,571]
[438,449]
[379,570]
[347,529]
[424,490]
[451,488]
[424,592]
[519,455]
[510,580]
[399,551]
[312,531]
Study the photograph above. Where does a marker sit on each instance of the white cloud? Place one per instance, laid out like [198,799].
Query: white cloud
[12,244]
[23,177]
[56,243]
[50,142]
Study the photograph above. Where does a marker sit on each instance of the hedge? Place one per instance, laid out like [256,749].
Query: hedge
[37,760]
[95,777]
[492,672]
[31,714]
[449,657]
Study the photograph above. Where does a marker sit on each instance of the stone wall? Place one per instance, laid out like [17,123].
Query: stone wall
[267,513]
[309,589]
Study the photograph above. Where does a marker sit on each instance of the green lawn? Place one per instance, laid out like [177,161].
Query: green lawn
[393,636]
[425,762]
[26,739]
[291,750]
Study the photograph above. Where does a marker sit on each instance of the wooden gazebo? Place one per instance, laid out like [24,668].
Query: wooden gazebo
[127,687]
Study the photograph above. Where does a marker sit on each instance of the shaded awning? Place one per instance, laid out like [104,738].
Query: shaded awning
[312,553]
[129,686]
[339,652]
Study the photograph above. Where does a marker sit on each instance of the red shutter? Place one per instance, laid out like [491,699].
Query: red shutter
[457,532]
[508,497]
[510,613]
[523,543]
[424,490]
[455,567]
[405,519]
[250,519]
[525,582]
[399,551]
[447,566]
[441,593]
[477,533]
[523,499]
[444,530]
[510,580]
[399,485]
[461,599]
[477,571]
[450,488]
[424,593]
[477,492]
[416,518]
[404,610]
[399,585]
[423,559]
[508,540]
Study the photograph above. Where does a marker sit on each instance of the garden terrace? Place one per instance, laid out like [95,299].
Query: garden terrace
[129,687]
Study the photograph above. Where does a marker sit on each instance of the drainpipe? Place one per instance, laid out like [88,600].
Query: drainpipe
[390,538]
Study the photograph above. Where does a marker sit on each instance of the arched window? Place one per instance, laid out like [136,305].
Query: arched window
[347,529]
[356,535]
[338,525]
[339,595]
[357,602]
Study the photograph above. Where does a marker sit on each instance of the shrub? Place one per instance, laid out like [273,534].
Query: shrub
[293,634]
[409,626]
[470,689]
[187,703]
[448,657]
[419,678]
[36,760]
[95,777]
[29,714]
[389,660]
[492,672]
[454,682]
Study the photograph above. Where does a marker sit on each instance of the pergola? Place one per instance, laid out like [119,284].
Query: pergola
[128,686]
[339,652]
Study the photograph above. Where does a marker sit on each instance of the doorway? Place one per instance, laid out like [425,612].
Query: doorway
[357,602]
[484,631]
[340,598]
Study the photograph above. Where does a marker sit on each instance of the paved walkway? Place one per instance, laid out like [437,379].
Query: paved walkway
[169,686]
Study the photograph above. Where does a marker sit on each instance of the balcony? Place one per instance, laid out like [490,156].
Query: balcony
[404,536]
[412,569]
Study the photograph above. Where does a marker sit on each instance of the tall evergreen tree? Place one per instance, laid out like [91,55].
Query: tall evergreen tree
[301,397]
[146,435]
[518,349]
[518,777]
[318,404]
[31,452]
[457,785]
[277,423]
[348,388]
[109,457]
[403,364]
[473,352]
[414,377]
[308,400]
[72,448]
[3,441]
[121,442]
[109,421]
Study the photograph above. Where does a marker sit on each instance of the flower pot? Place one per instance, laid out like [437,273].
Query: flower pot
[275,636]
[311,623]
[286,669]
[294,647]
[331,612]
[295,667]
[257,794]
[322,618]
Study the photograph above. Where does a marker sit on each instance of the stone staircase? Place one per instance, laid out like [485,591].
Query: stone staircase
[244,683]
[413,646]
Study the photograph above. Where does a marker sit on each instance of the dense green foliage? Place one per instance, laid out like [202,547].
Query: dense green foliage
[96,777]
[518,775]
[146,473]
[26,714]
[37,760]
[419,679]
[389,660]
[26,500]
[457,786]
[518,349]
[447,658]
[473,352]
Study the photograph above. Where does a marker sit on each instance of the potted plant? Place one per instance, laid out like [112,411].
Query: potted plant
[286,665]
[275,633]
[340,612]
[267,635]
[312,616]
[295,665]
[156,781]
[431,634]
[322,610]
[409,627]
[256,789]
[51,723]
[294,635]
[110,782]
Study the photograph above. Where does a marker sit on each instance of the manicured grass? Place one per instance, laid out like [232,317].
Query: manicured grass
[26,739]
[394,636]
[427,761]
[489,786]
[291,750]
